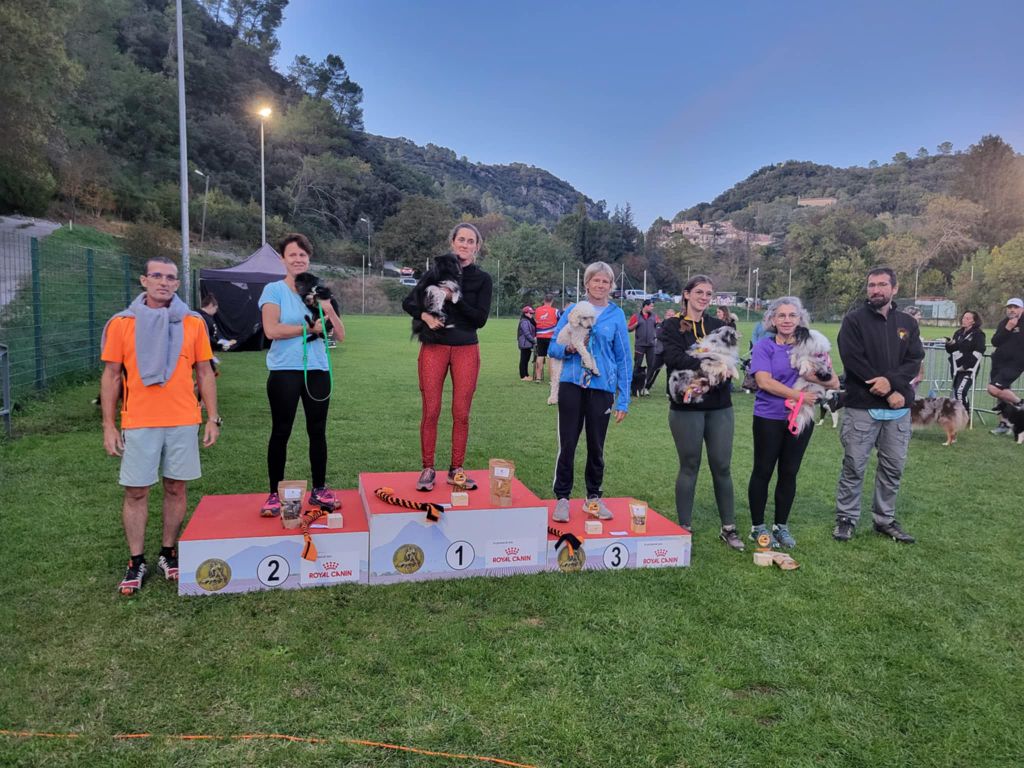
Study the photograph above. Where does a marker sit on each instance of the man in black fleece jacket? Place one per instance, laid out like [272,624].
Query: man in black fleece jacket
[881,350]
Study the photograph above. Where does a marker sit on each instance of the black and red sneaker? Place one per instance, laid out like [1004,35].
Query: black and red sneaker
[168,565]
[134,575]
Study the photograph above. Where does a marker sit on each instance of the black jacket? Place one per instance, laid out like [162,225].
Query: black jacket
[676,343]
[1009,346]
[871,345]
[966,348]
[467,315]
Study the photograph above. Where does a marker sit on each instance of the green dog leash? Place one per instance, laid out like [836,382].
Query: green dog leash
[305,360]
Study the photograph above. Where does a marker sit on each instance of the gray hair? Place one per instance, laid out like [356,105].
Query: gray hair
[773,307]
[598,267]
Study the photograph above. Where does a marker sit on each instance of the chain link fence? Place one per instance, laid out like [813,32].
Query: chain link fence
[54,302]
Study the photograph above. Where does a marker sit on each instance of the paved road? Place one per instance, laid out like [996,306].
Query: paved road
[15,263]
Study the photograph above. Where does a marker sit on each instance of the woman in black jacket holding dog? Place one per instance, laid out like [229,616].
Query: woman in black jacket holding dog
[450,345]
[299,370]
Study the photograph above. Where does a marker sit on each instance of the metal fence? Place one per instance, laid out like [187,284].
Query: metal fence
[938,381]
[54,302]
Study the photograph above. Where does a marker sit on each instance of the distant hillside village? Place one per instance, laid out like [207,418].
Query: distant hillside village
[709,234]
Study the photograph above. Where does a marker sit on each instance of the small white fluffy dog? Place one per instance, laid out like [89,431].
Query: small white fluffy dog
[575,333]
[719,362]
[809,356]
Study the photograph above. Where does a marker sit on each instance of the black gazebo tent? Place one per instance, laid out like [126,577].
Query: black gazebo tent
[238,290]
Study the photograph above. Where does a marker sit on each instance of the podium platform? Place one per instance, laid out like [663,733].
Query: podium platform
[664,545]
[478,540]
[228,547]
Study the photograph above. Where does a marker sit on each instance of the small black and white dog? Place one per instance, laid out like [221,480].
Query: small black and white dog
[1014,416]
[312,292]
[443,277]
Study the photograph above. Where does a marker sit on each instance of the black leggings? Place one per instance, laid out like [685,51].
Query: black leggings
[284,390]
[524,362]
[963,382]
[774,444]
[580,408]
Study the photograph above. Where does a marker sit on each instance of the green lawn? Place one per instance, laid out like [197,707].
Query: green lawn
[872,654]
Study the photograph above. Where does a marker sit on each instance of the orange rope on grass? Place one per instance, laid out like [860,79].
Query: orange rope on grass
[274,737]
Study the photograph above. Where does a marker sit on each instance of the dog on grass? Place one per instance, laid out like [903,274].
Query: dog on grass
[809,356]
[831,404]
[947,412]
[312,291]
[443,278]
[1014,415]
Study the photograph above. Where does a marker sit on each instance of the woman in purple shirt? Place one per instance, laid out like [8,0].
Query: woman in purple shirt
[774,445]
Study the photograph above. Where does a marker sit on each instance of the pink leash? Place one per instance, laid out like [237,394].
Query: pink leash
[794,411]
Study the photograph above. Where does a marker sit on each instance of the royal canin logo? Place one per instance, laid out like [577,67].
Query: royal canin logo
[660,557]
[331,570]
[511,556]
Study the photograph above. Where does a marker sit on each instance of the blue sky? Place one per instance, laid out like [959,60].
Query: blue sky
[664,105]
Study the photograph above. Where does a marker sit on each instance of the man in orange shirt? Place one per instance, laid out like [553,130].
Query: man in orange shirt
[546,318]
[150,350]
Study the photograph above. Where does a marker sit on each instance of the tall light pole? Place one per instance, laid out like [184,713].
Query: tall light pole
[757,284]
[366,258]
[186,264]
[206,192]
[264,113]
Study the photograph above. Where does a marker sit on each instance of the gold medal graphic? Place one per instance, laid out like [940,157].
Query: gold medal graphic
[408,558]
[571,563]
[213,574]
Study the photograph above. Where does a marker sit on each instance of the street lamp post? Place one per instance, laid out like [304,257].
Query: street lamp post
[757,284]
[366,258]
[206,192]
[186,264]
[264,113]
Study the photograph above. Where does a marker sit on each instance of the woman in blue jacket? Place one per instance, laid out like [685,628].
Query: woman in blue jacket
[586,401]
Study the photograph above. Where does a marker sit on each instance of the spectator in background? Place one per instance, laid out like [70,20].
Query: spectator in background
[659,351]
[727,317]
[644,325]
[1007,360]
[965,349]
[526,338]
[545,320]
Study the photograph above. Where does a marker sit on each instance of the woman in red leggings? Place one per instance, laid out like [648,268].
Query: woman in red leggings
[451,345]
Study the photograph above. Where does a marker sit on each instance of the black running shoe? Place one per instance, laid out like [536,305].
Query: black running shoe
[844,529]
[133,578]
[894,532]
[168,566]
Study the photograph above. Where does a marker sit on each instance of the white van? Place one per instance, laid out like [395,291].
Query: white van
[634,294]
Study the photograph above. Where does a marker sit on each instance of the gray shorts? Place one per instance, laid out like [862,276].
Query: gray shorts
[152,451]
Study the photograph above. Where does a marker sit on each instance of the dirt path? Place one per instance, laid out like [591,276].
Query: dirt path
[15,258]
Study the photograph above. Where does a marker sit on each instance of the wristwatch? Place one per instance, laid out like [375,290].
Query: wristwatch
[219,421]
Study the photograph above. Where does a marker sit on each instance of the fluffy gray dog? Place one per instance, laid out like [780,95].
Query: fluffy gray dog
[809,356]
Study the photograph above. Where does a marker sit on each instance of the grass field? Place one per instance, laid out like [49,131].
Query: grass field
[872,654]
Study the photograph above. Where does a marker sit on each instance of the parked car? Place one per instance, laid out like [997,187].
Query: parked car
[410,281]
[635,294]
[661,296]
[406,271]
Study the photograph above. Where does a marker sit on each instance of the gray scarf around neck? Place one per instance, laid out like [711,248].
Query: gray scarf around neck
[159,334]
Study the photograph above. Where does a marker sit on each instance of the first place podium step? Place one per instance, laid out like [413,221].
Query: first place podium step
[481,539]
